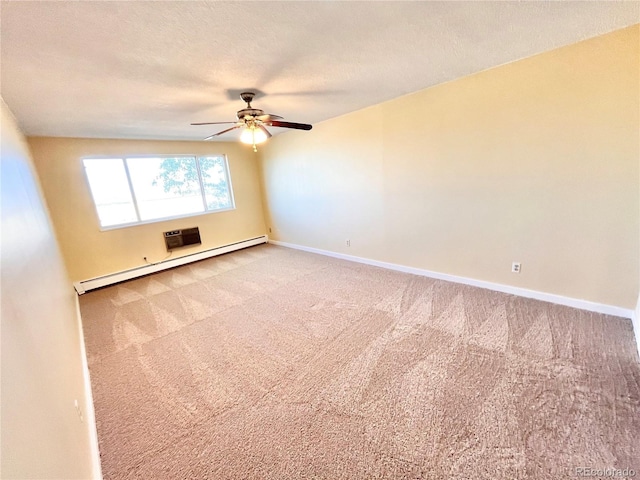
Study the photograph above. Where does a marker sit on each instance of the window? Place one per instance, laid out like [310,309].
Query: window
[145,189]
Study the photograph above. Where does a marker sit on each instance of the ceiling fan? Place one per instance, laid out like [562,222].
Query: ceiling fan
[254,121]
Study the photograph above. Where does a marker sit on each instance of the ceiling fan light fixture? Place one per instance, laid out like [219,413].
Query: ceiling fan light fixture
[252,135]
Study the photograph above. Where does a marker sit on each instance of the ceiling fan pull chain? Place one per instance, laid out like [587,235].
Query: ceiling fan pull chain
[253,136]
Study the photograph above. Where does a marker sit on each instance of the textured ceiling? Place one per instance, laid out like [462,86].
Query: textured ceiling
[147,69]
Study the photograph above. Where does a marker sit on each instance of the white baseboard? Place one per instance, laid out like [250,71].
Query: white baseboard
[635,318]
[88,408]
[93,283]
[522,292]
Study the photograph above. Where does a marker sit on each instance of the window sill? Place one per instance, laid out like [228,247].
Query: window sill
[164,219]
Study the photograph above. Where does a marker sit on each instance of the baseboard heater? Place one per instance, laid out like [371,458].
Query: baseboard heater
[93,283]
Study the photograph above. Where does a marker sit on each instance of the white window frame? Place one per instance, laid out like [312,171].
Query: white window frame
[123,159]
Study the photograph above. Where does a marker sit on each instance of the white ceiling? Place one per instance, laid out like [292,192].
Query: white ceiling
[137,69]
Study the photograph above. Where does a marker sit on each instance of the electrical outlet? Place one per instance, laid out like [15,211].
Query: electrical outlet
[348,242]
[516,267]
[269,229]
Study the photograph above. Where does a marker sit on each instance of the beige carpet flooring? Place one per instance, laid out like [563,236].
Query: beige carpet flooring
[271,363]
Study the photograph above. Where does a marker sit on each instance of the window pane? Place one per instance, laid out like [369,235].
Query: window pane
[110,190]
[165,187]
[216,185]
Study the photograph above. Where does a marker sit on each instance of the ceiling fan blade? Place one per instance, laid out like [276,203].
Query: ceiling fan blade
[211,123]
[267,133]
[297,126]
[223,131]
[268,117]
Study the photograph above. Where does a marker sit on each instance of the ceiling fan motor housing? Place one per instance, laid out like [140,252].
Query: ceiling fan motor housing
[249,112]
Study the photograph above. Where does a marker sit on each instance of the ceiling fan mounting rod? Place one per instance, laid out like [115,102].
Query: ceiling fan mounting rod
[247,97]
[249,112]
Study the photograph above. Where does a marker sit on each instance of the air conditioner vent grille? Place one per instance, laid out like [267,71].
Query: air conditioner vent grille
[182,238]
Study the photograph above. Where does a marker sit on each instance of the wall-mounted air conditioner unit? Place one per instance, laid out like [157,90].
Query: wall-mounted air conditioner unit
[182,238]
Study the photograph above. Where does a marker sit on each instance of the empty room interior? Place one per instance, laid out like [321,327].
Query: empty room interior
[320,240]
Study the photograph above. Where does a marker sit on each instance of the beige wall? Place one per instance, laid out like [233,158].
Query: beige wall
[42,355]
[536,161]
[90,252]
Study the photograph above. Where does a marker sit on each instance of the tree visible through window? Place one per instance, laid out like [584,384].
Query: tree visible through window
[142,189]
